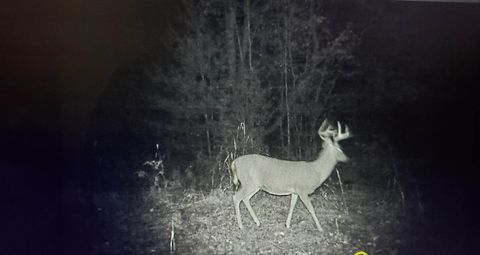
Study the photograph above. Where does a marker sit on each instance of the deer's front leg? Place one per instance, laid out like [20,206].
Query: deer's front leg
[293,201]
[306,200]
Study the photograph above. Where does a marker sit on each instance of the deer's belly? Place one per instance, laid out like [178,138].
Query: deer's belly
[277,191]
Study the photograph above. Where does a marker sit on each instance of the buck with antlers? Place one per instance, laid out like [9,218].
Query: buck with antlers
[281,177]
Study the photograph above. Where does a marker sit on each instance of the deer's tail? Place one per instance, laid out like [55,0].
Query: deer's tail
[234,171]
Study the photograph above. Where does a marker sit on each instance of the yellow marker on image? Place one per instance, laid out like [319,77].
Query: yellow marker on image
[361,253]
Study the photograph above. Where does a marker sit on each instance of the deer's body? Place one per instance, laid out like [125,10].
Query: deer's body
[282,177]
[273,175]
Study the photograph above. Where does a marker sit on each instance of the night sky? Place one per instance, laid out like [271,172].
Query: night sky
[57,57]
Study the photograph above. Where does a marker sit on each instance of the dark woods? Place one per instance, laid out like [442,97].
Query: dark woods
[248,77]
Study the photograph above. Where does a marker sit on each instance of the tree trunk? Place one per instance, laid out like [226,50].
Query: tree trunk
[230,37]
[285,79]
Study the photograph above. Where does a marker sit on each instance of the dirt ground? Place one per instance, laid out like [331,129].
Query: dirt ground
[190,222]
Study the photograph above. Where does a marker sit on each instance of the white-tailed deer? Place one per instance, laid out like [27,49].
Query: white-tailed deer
[282,177]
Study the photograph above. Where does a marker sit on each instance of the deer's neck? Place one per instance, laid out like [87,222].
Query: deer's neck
[325,163]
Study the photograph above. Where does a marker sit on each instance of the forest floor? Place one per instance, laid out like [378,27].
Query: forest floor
[195,223]
[372,219]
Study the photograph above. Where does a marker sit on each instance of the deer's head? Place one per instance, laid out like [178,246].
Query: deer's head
[331,137]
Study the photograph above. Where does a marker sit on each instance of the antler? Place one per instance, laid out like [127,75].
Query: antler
[326,130]
[342,136]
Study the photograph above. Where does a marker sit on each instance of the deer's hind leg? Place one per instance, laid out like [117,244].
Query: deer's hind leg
[237,198]
[246,201]
[244,194]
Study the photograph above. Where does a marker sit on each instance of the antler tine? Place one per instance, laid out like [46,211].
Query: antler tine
[326,130]
[342,136]
[324,124]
